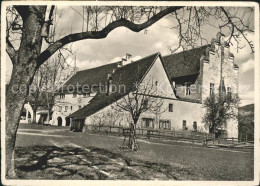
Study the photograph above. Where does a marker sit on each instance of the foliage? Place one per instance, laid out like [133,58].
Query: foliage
[246,122]
[220,109]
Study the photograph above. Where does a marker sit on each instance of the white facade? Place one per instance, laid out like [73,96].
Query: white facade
[28,117]
[212,71]
[171,119]
[64,106]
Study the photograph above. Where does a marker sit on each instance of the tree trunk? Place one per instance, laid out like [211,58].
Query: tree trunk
[15,99]
[132,138]
[24,68]
[34,115]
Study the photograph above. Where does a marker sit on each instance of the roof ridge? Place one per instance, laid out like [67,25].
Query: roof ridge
[99,66]
[186,50]
[157,53]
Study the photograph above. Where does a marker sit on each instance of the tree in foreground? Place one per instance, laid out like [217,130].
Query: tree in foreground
[220,109]
[143,99]
[28,31]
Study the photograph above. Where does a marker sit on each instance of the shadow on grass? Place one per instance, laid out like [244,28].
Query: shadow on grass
[51,162]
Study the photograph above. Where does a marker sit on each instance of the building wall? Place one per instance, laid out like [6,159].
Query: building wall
[195,87]
[29,109]
[158,74]
[181,110]
[211,74]
[72,103]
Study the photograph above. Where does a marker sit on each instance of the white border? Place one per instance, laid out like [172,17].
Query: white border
[131,3]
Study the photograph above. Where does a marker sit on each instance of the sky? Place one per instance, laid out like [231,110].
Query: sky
[92,53]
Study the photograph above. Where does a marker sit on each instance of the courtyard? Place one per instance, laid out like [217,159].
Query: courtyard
[49,152]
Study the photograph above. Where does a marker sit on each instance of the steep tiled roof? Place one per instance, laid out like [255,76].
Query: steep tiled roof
[128,76]
[184,63]
[90,77]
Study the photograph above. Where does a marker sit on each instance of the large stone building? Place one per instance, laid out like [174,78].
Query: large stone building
[184,80]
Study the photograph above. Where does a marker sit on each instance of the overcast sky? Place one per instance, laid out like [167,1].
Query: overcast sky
[92,53]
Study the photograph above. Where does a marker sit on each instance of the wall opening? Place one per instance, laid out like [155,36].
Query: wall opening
[59,121]
[67,121]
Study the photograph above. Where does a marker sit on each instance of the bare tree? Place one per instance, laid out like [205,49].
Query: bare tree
[28,27]
[220,109]
[145,97]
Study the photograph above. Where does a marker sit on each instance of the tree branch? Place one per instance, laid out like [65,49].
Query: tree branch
[23,11]
[103,33]
[11,51]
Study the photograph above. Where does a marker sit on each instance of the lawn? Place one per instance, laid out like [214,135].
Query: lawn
[46,152]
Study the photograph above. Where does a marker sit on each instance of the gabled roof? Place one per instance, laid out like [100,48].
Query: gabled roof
[128,76]
[91,77]
[184,63]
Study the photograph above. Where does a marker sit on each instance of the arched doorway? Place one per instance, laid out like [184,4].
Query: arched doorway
[67,121]
[59,121]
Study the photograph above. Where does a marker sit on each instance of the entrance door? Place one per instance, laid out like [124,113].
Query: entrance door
[59,121]
[67,121]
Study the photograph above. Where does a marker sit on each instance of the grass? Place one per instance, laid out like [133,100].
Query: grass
[174,161]
[51,162]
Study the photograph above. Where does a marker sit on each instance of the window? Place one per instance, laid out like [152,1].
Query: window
[170,107]
[71,107]
[74,95]
[187,88]
[62,95]
[145,105]
[66,108]
[184,125]
[86,95]
[60,108]
[195,126]
[165,124]
[211,88]
[156,83]
[148,122]
[229,91]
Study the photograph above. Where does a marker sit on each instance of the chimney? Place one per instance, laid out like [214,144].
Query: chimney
[120,64]
[125,61]
[109,83]
[128,57]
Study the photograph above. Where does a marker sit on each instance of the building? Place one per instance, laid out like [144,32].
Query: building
[185,80]
[37,109]
[78,90]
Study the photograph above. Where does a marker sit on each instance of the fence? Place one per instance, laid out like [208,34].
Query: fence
[151,134]
[180,135]
[190,136]
[228,142]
